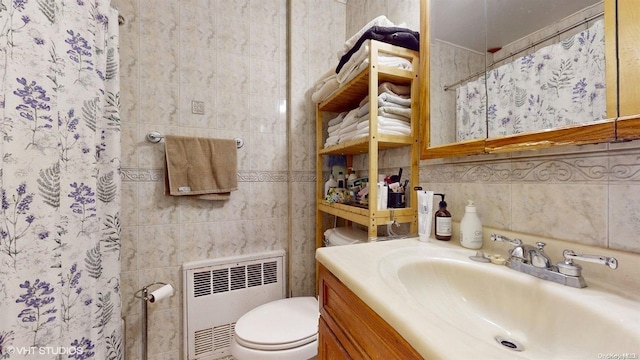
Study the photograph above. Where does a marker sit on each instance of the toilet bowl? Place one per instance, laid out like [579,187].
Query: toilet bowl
[286,329]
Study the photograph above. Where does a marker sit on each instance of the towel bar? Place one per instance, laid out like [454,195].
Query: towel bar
[155,137]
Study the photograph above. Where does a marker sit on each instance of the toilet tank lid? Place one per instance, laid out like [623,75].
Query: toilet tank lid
[280,322]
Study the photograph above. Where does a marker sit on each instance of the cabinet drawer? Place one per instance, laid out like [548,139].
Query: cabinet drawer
[362,332]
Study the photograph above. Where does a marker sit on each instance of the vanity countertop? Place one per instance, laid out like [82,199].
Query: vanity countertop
[357,266]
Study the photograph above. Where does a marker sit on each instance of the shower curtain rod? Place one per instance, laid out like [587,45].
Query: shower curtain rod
[586,20]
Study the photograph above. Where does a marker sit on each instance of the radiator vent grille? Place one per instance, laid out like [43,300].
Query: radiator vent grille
[219,291]
[270,272]
[234,278]
[203,343]
[222,336]
[253,275]
[220,281]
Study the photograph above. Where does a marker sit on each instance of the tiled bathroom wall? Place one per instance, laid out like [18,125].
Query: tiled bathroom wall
[586,194]
[317,32]
[448,63]
[231,55]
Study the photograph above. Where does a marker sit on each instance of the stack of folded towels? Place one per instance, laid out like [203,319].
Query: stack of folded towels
[394,116]
[353,58]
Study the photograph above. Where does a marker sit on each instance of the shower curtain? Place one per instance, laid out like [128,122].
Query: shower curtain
[560,84]
[60,181]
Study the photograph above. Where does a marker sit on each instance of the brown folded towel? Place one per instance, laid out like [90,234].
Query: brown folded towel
[200,166]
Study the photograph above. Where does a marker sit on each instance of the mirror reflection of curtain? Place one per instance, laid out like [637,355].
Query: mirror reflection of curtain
[60,181]
[560,84]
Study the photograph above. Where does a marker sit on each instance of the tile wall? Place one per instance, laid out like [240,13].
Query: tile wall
[232,56]
[586,194]
[317,32]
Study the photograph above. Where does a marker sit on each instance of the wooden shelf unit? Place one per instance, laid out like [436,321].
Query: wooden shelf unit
[348,97]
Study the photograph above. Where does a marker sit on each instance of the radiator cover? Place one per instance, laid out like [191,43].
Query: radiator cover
[218,292]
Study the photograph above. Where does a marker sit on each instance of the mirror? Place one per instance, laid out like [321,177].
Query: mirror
[502,72]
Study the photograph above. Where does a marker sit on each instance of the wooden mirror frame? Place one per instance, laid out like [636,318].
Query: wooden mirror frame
[621,89]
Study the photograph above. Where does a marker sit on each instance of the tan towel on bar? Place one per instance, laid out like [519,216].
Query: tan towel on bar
[200,166]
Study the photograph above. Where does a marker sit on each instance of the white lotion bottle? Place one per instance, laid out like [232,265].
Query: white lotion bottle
[470,228]
[425,213]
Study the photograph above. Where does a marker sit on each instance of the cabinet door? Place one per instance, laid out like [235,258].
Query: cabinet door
[359,329]
[329,347]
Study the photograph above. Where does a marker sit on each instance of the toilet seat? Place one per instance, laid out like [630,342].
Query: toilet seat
[279,325]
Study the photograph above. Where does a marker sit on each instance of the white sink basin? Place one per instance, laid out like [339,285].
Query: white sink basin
[485,305]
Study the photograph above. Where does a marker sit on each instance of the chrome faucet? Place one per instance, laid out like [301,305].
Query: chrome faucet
[534,261]
[526,253]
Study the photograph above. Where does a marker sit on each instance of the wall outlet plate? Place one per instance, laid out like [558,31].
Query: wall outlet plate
[197,107]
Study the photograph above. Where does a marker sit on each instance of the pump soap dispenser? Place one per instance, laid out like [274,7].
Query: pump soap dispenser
[443,221]
[471,228]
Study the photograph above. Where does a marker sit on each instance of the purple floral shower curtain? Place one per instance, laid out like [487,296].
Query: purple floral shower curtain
[60,182]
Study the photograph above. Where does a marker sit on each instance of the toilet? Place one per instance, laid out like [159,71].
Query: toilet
[286,329]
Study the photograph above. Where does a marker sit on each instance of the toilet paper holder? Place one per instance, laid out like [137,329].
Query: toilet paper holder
[146,297]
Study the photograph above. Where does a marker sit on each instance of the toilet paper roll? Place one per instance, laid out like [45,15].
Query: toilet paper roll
[161,293]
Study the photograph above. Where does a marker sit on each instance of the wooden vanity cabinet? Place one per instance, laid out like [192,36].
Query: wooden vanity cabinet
[349,329]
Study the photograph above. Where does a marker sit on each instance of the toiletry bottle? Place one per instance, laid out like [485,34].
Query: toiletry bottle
[331,183]
[471,228]
[341,181]
[425,211]
[351,178]
[443,220]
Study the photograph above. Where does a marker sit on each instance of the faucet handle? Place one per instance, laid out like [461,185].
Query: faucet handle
[567,267]
[498,237]
[541,245]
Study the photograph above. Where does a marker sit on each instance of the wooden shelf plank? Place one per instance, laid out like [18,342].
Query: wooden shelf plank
[628,128]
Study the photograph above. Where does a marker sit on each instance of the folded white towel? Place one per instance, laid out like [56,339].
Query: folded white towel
[385,122]
[348,129]
[350,118]
[348,136]
[325,90]
[388,130]
[384,132]
[331,140]
[348,75]
[378,21]
[348,72]
[387,99]
[385,109]
[354,62]
[402,91]
[403,112]
[338,119]
[334,128]
[330,74]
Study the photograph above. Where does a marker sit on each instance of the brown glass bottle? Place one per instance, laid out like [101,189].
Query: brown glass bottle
[443,221]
